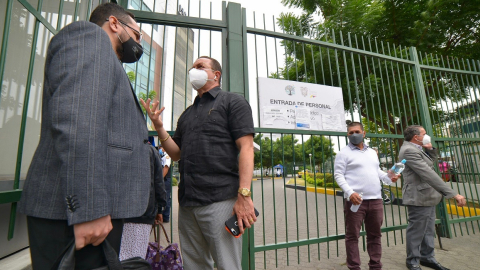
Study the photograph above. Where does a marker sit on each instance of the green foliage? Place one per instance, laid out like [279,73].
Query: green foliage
[322,179]
[434,26]
[381,92]
[131,76]
[151,95]
[288,150]
[331,185]
[174,181]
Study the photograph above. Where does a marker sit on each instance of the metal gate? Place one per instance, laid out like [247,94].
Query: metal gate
[387,87]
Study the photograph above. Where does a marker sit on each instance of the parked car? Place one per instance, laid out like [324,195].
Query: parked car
[302,172]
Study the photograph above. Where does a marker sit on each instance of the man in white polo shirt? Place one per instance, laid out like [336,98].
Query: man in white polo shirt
[357,172]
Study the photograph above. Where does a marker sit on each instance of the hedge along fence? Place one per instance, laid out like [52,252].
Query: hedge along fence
[321,179]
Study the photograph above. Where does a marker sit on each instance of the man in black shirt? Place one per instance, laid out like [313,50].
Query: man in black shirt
[214,142]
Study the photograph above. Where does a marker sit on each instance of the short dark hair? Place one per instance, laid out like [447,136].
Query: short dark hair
[411,131]
[104,11]
[353,124]
[215,66]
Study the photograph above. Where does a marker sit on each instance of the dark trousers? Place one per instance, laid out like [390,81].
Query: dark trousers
[168,194]
[370,212]
[49,238]
[420,234]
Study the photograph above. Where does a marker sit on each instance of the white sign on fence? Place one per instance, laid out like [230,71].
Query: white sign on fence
[295,105]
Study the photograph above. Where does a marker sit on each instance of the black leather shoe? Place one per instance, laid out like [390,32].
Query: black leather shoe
[413,267]
[435,265]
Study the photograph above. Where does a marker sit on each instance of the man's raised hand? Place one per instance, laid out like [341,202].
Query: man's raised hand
[153,112]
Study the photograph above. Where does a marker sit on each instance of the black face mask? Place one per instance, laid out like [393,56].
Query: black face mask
[132,51]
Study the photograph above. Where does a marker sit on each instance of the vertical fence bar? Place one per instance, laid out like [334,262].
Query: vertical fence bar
[235,52]
[60,14]
[6,33]
[427,124]
[21,138]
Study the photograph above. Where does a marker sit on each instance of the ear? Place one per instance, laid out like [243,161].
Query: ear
[113,24]
[217,74]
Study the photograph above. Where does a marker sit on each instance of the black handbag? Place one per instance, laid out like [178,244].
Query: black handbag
[67,261]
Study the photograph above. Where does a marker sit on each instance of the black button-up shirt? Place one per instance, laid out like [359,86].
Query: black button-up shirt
[206,134]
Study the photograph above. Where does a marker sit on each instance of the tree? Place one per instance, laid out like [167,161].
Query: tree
[289,152]
[321,149]
[444,27]
[263,158]
[377,89]
[151,94]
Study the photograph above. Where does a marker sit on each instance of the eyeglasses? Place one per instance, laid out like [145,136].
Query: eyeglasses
[138,35]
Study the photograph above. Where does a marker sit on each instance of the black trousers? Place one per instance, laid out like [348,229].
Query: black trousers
[49,238]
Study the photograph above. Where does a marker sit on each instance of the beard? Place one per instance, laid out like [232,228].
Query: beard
[119,47]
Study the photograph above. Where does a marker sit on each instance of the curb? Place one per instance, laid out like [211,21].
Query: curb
[451,209]
[462,211]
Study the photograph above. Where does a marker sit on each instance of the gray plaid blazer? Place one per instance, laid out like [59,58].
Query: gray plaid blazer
[93,158]
[422,186]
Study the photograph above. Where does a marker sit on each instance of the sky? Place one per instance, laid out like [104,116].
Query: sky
[265,55]
[267,7]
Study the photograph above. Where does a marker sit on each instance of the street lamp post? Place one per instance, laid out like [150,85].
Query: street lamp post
[311,162]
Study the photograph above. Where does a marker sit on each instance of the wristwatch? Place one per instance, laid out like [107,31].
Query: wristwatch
[245,192]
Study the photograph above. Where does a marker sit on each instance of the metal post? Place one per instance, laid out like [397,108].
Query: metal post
[311,162]
[235,48]
[442,214]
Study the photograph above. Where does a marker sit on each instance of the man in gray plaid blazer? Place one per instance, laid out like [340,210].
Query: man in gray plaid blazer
[91,168]
[422,190]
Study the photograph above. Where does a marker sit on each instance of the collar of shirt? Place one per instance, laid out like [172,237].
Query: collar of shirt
[418,146]
[354,147]
[212,92]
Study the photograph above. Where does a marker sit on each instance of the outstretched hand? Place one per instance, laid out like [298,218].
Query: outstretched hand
[153,112]
[461,201]
[394,177]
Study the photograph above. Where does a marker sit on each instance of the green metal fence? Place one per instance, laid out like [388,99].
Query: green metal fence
[385,86]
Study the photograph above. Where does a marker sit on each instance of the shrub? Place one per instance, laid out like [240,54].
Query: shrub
[331,185]
[174,181]
[311,180]
[329,178]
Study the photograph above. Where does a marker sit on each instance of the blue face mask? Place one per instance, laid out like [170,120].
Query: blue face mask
[161,152]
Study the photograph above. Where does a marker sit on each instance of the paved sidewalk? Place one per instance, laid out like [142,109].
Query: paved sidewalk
[459,253]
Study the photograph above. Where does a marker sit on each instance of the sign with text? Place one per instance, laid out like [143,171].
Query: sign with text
[296,105]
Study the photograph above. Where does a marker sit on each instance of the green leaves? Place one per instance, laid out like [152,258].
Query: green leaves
[290,150]
[433,26]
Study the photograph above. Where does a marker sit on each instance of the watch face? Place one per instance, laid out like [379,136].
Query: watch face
[244,192]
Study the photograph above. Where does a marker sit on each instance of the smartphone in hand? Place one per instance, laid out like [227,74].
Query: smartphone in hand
[231,225]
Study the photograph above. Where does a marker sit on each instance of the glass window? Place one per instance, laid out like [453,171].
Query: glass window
[34,3]
[34,113]
[50,11]
[3,10]
[13,87]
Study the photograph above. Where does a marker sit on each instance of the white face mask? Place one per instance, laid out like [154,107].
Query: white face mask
[198,78]
[426,139]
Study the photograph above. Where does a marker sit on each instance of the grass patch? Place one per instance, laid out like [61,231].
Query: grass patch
[300,182]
